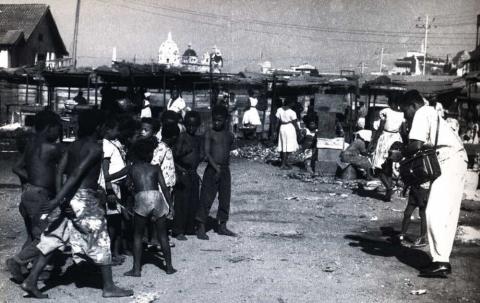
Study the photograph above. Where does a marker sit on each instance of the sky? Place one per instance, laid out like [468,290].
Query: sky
[329,34]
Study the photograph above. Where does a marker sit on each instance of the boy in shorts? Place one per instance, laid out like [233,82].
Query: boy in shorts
[150,203]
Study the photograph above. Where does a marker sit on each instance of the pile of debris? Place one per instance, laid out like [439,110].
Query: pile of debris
[256,152]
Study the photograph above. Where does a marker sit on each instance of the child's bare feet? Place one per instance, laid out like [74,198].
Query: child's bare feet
[170,270]
[31,289]
[201,234]
[118,260]
[115,292]
[133,273]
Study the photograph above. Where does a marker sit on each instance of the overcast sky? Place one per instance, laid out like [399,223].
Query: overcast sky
[330,34]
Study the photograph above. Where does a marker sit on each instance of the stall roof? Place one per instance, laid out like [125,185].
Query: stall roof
[429,86]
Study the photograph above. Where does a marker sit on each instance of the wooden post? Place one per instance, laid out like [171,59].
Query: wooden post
[88,89]
[69,92]
[193,96]
[96,90]
[26,93]
[164,91]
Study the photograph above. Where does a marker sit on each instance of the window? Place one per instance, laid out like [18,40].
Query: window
[40,37]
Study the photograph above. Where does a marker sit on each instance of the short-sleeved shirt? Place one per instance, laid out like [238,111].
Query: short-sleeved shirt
[286,115]
[113,150]
[162,156]
[424,128]
[393,119]
[177,105]
[146,111]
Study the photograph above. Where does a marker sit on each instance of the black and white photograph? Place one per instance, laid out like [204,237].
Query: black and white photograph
[240,151]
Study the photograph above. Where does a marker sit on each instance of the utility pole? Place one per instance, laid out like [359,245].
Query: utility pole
[75,35]
[426,26]
[425,46]
[381,60]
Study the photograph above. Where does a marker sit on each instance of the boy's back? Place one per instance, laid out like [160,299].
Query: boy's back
[76,157]
[41,159]
[145,176]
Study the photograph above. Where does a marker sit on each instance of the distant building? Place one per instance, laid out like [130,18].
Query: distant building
[189,56]
[217,60]
[168,52]
[305,69]
[29,35]
[412,64]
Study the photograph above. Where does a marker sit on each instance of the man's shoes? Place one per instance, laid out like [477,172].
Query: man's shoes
[201,234]
[437,270]
[420,242]
[224,231]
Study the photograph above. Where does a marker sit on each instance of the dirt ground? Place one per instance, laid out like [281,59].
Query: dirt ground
[323,244]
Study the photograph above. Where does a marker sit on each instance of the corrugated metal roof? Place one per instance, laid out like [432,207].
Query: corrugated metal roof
[23,17]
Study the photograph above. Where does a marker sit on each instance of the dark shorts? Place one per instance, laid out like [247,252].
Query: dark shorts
[418,196]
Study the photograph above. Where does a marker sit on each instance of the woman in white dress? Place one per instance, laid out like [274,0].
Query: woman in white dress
[391,123]
[251,118]
[287,127]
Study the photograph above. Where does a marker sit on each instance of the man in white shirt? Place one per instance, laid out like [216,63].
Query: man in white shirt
[446,192]
[176,103]
[146,111]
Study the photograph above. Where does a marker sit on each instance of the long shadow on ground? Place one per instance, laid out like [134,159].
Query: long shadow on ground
[385,246]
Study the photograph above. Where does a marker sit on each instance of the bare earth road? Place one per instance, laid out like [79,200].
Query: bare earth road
[326,245]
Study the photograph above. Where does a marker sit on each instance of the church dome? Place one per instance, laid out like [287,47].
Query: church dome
[168,52]
[189,52]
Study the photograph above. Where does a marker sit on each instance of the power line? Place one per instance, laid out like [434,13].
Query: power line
[294,26]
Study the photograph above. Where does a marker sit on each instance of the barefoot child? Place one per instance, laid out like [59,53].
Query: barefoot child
[113,162]
[216,178]
[150,203]
[309,142]
[37,167]
[418,197]
[82,224]
[187,155]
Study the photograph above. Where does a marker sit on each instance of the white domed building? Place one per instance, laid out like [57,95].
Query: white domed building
[168,52]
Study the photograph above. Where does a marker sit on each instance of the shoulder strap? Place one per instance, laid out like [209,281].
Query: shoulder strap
[438,128]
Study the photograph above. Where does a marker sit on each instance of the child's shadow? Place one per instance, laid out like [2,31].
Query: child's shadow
[83,274]
[368,193]
[376,245]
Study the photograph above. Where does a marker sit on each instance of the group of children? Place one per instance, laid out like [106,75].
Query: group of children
[116,185]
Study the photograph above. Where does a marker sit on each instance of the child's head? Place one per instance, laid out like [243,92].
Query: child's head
[311,122]
[192,122]
[170,134]
[111,129]
[219,117]
[129,129]
[48,123]
[149,127]
[143,149]
[90,122]
[170,118]
[395,152]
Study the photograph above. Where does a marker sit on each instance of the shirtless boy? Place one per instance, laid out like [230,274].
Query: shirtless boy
[150,203]
[187,155]
[81,224]
[217,178]
[36,168]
